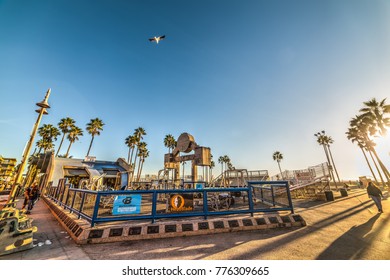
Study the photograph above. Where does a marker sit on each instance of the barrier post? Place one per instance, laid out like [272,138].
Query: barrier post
[81,205]
[154,206]
[95,209]
[205,207]
[250,200]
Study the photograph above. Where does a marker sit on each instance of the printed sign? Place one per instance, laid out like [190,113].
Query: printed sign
[181,202]
[127,204]
[199,186]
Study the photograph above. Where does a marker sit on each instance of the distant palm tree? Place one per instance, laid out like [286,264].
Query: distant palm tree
[49,134]
[73,136]
[143,154]
[221,160]
[94,127]
[170,142]
[278,156]
[139,134]
[64,125]
[130,142]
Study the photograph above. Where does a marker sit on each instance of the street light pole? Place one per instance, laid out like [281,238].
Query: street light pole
[41,111]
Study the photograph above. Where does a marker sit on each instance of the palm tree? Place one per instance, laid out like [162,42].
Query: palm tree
[144,153]
[366,128]
[73,136]
[212,165]
[138,134]
[221,160]
[354,136]
[278,156]
[130,142]
[377,111]
[49,134]
[328,141]
[65,125]
[170,142]
[94,127]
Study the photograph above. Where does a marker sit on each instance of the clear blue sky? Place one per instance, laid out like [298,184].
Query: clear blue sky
[245,78]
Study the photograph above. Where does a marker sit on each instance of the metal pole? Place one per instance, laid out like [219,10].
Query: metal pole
[18,178]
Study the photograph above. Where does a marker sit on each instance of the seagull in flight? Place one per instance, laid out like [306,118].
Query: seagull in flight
[157,39]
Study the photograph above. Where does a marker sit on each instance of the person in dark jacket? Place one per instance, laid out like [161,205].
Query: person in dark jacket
[33,196]
[376,195]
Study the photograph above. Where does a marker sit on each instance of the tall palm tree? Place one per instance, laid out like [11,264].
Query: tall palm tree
[376,111]
[64,125]
[144,153]
[278,156]
[130,142]
[212,165]
[170,142]
[94,127]
[73,136]
[49,134]
[366,128]
[139,134]
[354,136]
[221,160]
[328,141]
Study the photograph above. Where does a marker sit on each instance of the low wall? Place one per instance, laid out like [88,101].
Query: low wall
[82,232]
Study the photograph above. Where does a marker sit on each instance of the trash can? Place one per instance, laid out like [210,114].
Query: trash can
[343,192]
[329,196]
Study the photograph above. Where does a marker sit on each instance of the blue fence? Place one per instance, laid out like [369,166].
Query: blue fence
[110,206]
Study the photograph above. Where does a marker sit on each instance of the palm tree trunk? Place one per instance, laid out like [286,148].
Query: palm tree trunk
[128,156]
[281,174]
[384,169]
[90,145]
[369,166]
[331,171]
[376,166]
[59,147]
[67,152]
[334,166]
[140,170]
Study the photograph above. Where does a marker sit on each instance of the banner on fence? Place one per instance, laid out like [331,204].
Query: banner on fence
[181,202]
[127,204]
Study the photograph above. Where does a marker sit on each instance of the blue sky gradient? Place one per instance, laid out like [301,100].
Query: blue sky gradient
[245,78]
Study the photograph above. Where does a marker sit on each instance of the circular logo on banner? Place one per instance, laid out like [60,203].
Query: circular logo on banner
[177,202]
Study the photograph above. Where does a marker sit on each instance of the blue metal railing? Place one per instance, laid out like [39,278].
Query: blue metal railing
[261,196]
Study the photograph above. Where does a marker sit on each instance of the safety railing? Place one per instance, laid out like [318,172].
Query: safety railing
[110,206]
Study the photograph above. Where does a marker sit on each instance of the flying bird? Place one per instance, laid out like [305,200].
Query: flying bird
[157,39]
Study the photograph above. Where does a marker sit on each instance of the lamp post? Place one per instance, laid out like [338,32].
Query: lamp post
[41,111]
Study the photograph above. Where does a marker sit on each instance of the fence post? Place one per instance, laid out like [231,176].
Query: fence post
[250,199]
[81,205]
[273,195]
[95,209]
[154,205]
[205,206]
[289,198]
[74,197]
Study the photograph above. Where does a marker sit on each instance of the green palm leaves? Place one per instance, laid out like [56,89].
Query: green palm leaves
[364,128]
[94,127]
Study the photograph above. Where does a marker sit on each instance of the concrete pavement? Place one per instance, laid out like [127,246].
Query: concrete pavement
[348,228]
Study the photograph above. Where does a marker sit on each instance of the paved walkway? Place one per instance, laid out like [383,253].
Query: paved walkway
[348,228]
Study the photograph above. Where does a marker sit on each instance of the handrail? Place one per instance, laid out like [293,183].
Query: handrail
[258,191]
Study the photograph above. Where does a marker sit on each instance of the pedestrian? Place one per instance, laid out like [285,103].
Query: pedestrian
[376,195]
[26,195]
[33,196]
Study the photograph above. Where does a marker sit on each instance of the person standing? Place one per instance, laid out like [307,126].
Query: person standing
[376,195]
[33,196]
[26,195]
